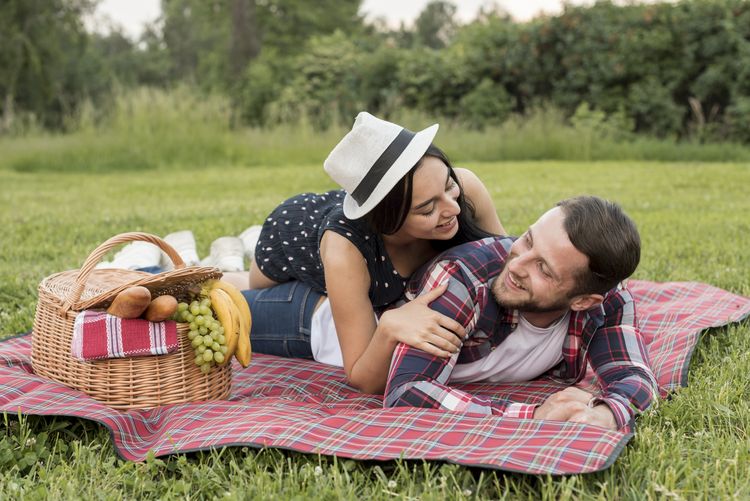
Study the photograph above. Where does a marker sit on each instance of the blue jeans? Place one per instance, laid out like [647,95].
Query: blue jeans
[282,316]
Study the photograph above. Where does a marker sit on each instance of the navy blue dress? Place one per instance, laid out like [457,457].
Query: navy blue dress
[289,245]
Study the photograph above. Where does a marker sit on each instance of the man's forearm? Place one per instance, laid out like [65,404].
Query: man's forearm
[619,358]
[630,394]
[420,380]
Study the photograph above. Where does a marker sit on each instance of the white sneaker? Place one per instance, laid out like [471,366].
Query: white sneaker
[135,256]
[227,254]
[184,243]
[249,239]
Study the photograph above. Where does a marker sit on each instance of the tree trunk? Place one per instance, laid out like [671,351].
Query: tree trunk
[245,39]
[8,112]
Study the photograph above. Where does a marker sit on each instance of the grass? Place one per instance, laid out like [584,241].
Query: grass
[146,128]
[693,219]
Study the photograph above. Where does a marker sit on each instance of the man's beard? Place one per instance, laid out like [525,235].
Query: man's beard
[528,304]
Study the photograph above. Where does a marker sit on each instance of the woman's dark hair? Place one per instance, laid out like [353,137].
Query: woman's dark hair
[389,215]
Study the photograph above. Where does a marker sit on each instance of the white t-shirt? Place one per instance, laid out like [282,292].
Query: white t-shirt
[525,354]
[323,339]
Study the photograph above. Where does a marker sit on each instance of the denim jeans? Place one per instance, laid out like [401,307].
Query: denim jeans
[282,316]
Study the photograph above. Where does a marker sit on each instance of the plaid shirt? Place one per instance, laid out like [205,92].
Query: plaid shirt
[607,336]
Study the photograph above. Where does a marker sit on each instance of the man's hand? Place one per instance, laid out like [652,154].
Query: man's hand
[571,404]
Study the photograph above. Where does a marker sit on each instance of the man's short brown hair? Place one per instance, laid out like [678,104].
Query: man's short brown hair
[602,231]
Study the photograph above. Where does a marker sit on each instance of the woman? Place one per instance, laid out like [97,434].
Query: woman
[401,204]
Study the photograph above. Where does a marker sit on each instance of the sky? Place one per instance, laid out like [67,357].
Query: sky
[131,15]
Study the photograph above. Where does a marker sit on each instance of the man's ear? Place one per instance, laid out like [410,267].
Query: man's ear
[584,302]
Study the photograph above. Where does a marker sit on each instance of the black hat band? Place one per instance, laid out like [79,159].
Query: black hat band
[380,167]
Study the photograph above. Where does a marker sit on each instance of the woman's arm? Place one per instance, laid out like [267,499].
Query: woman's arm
[486,214]
[348,283]
[367,347]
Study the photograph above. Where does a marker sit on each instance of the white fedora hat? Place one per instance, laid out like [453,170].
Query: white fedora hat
[372,158]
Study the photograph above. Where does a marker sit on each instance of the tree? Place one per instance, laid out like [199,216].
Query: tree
[287,25]
[436,25]
[196,34]
[245,37]
[40,58]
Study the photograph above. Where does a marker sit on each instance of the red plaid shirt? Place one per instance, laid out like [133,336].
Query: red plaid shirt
[606,336]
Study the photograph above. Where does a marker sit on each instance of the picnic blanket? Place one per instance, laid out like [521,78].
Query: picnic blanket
[306,406]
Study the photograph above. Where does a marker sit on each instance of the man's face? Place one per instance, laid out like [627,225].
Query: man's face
[541,269]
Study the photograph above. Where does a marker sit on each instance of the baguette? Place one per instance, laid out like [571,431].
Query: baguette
[130,303]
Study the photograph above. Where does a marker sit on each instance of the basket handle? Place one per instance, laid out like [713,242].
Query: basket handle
[99,252]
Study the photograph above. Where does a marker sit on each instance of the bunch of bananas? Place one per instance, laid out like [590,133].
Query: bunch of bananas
[217,339]
[233,312]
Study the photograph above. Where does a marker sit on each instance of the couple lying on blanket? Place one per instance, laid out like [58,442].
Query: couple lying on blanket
[401,279]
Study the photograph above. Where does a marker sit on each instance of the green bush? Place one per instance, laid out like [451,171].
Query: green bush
[738,120]
[651,106]
[324,84]
[647,64]
[259,87]
[487,104]
[671,69]
[430,82]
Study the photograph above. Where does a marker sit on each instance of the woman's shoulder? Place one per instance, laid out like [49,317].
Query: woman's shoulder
[355,234]
[478,196]
[468,179]
[473,187]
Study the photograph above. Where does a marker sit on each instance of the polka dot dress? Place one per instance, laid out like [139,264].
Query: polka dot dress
[288,245]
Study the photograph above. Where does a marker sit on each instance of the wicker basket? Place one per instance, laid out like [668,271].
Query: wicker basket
[121,383]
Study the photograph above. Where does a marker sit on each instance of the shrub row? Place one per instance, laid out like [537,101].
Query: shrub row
[667,70]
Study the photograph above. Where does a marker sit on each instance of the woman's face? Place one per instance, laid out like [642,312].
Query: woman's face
[434,207]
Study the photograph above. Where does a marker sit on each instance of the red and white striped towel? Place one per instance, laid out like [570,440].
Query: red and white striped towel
[97,334]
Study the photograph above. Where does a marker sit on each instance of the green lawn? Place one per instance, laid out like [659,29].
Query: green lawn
[694,220]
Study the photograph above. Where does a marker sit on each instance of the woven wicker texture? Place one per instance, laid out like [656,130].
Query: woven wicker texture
[122,383]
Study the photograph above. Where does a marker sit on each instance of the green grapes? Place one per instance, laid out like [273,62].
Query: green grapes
[206,334]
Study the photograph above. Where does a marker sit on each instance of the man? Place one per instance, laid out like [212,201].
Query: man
[548,302]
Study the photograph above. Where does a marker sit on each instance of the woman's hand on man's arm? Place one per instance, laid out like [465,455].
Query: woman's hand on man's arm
[417,325]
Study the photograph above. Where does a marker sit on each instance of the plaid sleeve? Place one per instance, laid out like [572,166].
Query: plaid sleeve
[620,360]
[418,379]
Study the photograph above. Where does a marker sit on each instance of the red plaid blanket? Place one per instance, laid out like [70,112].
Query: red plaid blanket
[305,406]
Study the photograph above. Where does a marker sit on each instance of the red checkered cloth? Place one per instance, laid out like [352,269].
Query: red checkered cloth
[97,334]
[306,406]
